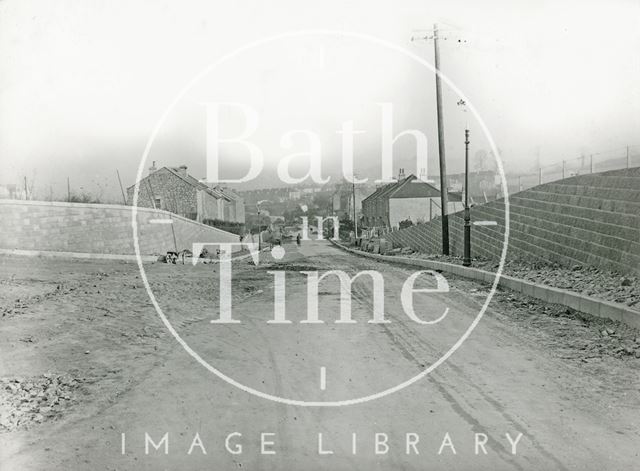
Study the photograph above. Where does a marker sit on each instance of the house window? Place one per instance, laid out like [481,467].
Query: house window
[158,203]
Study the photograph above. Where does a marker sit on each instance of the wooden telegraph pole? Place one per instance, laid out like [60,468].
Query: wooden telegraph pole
[355,221]
[444,197]
[124,198]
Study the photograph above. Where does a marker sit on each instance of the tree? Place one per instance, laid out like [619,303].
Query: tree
[83,197]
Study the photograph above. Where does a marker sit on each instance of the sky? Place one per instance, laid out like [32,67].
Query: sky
[84,83]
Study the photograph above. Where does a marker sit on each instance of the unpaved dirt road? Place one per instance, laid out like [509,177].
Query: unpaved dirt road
[86,359]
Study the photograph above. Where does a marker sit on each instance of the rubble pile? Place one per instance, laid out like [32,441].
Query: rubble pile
[581,340]
[27,401]
[590,281]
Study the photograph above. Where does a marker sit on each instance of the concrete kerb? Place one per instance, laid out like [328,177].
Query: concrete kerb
[586,304]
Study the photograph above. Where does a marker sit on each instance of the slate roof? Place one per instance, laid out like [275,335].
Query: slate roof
[216,192]
[187,178]
[410,187]
[419,189]
[229,194]
[375,193]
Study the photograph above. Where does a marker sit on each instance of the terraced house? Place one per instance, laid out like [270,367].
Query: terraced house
[408,198]
[173,189]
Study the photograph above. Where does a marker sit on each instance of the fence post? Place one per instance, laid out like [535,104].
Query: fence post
[591,163]
[563,169]
[627,157]
[540,176]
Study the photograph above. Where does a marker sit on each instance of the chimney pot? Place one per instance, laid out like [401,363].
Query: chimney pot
[182,170]
[152,168]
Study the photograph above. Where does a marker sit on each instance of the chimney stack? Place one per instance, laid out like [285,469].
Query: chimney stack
[401,174]
[152,168]
[182,170]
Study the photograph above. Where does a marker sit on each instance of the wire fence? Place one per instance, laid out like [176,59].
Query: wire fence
[106,189]
[98,188]
[613,159]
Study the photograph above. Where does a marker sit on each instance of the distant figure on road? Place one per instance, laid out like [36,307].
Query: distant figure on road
[298,238]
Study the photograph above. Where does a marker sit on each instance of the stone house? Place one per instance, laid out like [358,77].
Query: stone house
[174,190]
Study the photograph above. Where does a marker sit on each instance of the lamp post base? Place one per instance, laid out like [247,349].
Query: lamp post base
[466,261]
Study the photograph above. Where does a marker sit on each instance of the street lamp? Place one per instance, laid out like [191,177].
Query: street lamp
[466,261]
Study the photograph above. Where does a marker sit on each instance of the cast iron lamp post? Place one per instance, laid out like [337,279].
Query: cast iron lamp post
[466,261]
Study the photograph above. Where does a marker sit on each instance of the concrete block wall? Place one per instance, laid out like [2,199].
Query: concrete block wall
[586,220]
[97,229]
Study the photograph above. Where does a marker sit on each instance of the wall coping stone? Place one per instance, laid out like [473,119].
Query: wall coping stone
[121,207]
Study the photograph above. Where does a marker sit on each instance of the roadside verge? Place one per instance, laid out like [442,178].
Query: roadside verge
[579,302]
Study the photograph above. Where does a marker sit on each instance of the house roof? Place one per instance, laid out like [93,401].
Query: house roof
[416,189]
[392,189]
[381,190]
[187,178]
[232,195]
[389,188]
[374,194]
[216,192]
[409,187]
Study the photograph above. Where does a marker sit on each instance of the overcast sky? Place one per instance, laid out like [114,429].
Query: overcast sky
[83,83]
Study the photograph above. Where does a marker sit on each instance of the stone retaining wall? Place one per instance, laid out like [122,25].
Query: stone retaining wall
[97,229]
[589,220]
